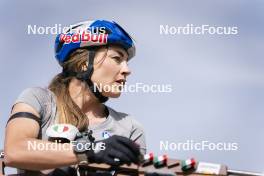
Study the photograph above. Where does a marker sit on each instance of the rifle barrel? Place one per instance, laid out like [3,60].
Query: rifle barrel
[243,173]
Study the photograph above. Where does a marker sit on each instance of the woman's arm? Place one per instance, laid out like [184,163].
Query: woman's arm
[20,132]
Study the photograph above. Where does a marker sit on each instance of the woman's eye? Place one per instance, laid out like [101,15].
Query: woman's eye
[117,59]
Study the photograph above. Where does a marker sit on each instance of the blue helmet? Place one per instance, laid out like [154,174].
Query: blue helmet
[90,34]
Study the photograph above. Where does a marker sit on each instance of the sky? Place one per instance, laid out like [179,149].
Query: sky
[216,80]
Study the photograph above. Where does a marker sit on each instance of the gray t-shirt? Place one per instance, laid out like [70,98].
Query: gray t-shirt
[117,123]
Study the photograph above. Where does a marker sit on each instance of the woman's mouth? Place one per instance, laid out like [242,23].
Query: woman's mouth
[121,81]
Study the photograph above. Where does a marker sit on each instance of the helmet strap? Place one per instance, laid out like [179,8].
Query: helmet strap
[86,76]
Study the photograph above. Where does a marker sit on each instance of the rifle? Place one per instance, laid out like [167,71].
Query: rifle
[164,166]
[171,167]
[150,165]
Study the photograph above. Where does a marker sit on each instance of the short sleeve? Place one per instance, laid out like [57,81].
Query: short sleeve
[138,135]
[35,97]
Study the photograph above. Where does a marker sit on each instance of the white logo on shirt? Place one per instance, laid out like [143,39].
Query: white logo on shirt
[106,134]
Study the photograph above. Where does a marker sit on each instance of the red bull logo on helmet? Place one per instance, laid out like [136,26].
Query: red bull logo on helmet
[84,36]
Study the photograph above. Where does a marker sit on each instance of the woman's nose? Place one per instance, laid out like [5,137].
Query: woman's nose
[125,69]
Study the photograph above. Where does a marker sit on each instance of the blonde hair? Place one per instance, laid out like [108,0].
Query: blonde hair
[68,110]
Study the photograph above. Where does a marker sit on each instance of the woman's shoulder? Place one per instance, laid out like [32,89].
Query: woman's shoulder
[37,97]
[36,92]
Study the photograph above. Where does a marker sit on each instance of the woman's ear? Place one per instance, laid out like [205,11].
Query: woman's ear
[84,66]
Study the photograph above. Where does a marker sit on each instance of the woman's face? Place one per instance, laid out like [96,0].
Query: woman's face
[110,70]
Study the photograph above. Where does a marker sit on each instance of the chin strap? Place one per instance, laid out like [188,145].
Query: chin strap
[86,76]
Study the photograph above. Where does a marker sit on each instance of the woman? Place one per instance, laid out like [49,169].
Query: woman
[93,55]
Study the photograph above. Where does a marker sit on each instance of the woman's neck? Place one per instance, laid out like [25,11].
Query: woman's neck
[85,100]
